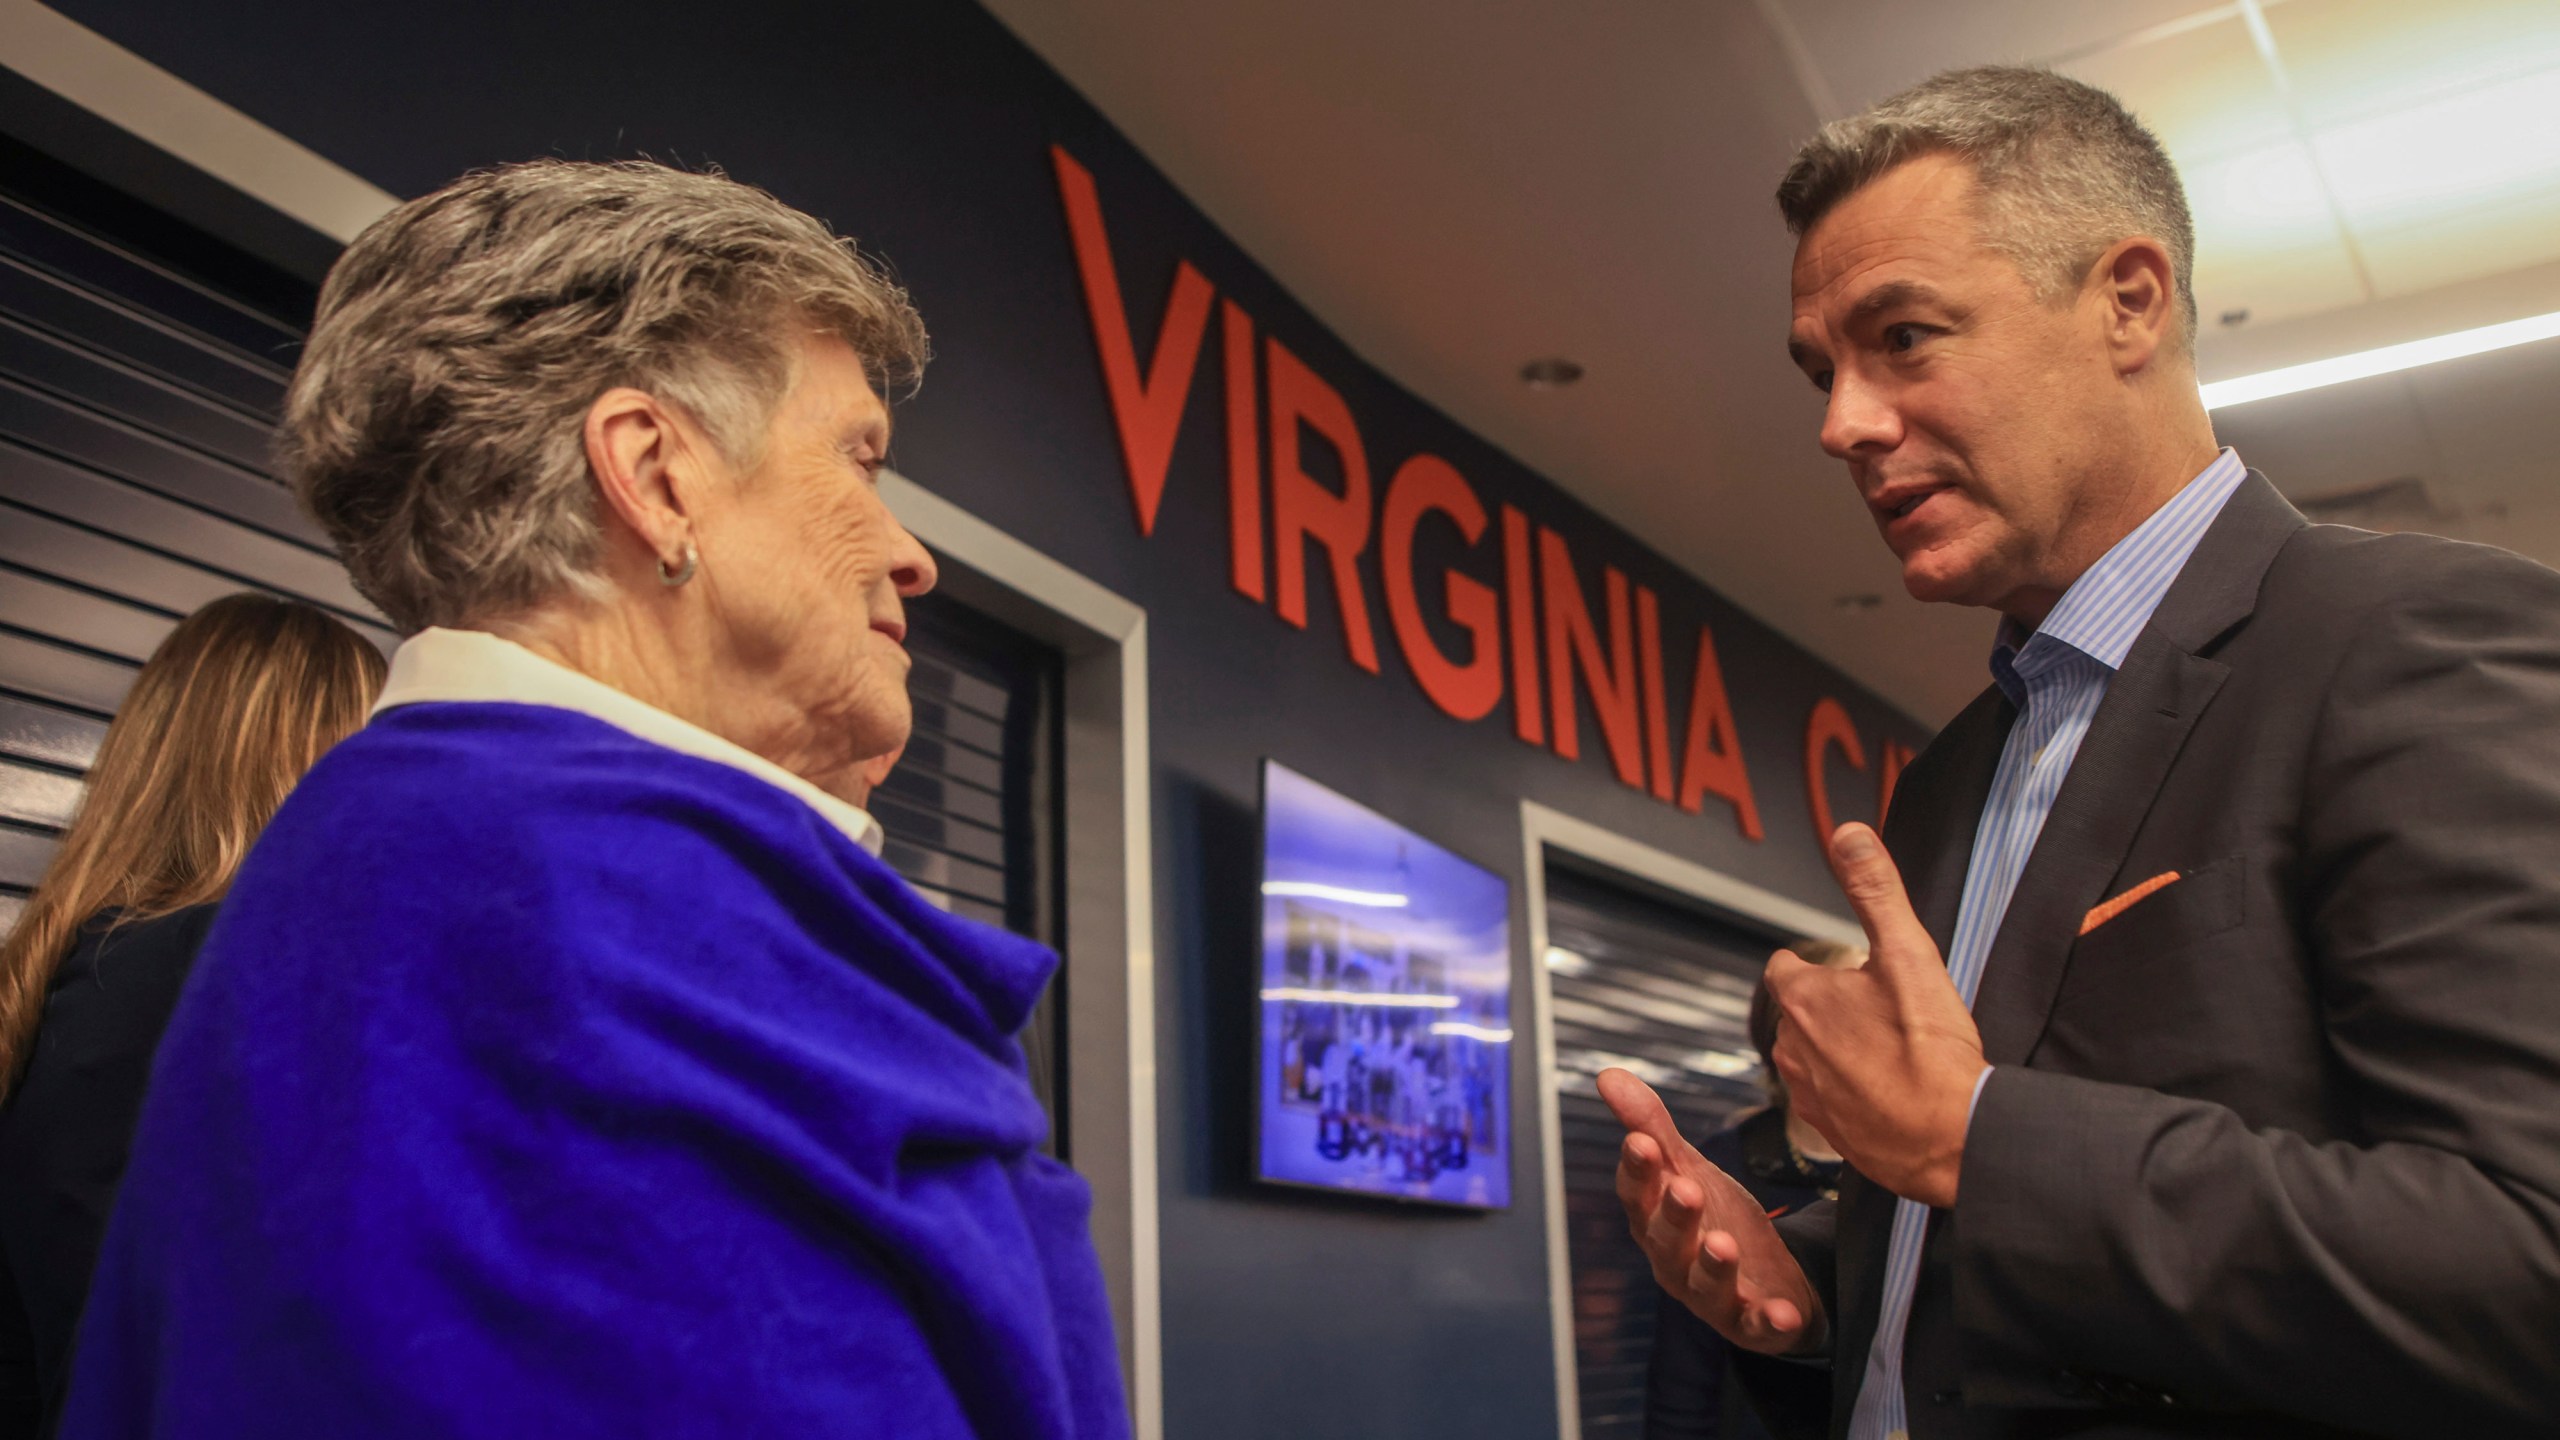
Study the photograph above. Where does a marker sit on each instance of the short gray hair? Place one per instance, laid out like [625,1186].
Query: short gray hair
[436,424]
[2065,171]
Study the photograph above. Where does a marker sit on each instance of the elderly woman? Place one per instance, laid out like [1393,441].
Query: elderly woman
[564,1062]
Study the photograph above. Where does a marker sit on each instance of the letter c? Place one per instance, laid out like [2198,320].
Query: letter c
[1828,725]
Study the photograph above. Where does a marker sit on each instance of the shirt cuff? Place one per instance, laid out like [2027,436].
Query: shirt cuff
[1976,1103]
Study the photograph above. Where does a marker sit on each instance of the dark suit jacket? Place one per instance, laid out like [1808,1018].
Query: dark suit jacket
[64,1135]
[2276,1151]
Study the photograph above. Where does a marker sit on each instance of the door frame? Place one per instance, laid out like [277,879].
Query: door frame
[1546,831]
[1108,853]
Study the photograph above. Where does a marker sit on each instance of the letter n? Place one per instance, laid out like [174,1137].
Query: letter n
[1573,642]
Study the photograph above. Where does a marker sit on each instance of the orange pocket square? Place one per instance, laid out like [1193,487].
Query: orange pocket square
[2110,909]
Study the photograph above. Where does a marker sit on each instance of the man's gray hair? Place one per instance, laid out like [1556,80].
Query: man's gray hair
[436,425]
[2065,171]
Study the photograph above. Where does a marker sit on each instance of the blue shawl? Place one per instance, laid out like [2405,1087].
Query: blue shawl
[538,1080]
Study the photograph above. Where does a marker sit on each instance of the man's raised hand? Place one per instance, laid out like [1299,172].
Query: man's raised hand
[1882,1059]
[1711,1245]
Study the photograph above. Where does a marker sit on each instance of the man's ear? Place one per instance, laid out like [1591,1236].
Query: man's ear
[2138,295]
[641,453]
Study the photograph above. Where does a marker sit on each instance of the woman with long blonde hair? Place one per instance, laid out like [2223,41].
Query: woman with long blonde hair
[221,722]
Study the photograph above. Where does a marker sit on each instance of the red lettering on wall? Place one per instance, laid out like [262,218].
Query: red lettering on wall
[1244,453]
[1303,509]
[1890,758]
[1149,411]
[1657,727]
[1827,726]
[1424,485]
[1519,590]
[1573,642]
[1711,759]
[1540,598]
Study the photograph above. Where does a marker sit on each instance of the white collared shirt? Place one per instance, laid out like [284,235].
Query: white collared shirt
[472,666]
[2057,677]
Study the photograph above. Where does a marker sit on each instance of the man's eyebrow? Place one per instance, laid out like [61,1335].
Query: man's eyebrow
[1891,295]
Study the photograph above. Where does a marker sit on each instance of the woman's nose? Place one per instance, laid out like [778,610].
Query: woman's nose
[911,567]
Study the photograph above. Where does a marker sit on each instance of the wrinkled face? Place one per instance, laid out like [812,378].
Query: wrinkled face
[1973,414]
[807,571]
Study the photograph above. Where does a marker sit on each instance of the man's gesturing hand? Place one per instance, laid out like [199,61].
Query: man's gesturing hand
[1882,1059]
[1710,1244]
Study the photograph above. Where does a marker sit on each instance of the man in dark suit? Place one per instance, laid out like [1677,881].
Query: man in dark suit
[2252,1125]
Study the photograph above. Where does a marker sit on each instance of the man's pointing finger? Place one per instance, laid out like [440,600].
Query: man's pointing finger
[1874,887]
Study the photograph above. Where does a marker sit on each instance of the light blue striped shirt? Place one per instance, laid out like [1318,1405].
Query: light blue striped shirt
[2056,677]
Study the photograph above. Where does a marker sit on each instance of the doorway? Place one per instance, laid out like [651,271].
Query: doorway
[1645,959]
[1663,989]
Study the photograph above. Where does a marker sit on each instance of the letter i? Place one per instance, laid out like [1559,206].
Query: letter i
[1244,454]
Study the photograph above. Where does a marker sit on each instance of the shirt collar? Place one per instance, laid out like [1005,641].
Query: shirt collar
[2102,612]
[438,666]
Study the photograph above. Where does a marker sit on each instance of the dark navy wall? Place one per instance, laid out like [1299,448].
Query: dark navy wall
[924,129]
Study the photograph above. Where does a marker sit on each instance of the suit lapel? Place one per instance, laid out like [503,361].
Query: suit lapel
[2152,705]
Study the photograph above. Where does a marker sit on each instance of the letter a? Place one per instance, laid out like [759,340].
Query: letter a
[1711,760]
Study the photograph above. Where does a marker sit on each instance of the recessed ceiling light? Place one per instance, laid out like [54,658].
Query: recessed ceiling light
[1552,373]
[2294,379]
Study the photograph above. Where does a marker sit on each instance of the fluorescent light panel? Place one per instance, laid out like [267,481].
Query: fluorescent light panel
[1310,890]
[1485,1033]
[2293,379]
[1313,996]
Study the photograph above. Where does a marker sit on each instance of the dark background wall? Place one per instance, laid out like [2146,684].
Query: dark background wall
[924,129]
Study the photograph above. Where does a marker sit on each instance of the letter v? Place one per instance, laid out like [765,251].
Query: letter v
[1149,411]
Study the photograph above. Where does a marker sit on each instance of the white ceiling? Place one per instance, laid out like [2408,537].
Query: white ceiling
[1459,188]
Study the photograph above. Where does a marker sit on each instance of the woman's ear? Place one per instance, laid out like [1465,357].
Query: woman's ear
[2140,301]
[640,454]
